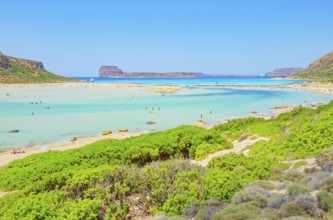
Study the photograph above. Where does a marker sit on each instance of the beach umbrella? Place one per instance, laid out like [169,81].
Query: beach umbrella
[44,148]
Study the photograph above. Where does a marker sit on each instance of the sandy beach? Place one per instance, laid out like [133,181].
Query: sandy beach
[146,88]
[315,87]
[7,157]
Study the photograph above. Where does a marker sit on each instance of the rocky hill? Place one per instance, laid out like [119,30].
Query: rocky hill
[115,72]
[284,72]
[319,69]
[17,70]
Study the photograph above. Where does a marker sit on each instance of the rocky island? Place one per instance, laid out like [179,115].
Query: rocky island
[115,72]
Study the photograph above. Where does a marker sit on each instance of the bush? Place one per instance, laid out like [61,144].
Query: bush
[242,211]
[317,179]
[327,184]
[296,189]
[325,200]
[293,176]
[328,166]
[324,156]
[278,200]
[246,196]
[270,214]
[298,164]
[291,209]
[262,184]
[308,204]
[266,193]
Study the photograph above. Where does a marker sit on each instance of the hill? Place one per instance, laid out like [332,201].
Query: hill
[284,72]
[17,70]
[320,69]
[115,72]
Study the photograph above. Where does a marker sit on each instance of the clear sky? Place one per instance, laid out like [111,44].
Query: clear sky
[74,38]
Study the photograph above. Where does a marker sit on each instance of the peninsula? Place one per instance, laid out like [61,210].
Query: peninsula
[320,69]
[17,70]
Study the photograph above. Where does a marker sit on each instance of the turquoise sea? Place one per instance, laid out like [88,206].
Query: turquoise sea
[195,81]
[60,113]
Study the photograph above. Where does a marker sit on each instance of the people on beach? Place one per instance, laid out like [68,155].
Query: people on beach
[14,151]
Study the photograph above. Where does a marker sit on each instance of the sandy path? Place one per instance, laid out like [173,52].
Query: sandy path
[7,157]
[237,148]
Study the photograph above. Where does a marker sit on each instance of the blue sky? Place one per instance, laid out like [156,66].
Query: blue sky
[74,38]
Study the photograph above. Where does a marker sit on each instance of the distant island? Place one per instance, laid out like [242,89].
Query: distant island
[115,72]
[17,70]
[284,72]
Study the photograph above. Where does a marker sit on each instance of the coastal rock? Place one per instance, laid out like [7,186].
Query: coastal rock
[199,123]
[323,61]
[27,63]
[4,61]
[115,72]
[110,72]
[106,132]
[284,72]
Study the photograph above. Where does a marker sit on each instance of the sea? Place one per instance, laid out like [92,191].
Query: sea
[52,114]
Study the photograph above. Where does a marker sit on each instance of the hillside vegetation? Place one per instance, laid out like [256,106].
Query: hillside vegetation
[15,70]
[321,69]
[152,174]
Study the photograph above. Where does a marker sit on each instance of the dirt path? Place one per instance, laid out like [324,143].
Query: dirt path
[5,193]
[237,148]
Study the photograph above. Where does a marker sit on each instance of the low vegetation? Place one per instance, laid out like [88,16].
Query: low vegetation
[151,175]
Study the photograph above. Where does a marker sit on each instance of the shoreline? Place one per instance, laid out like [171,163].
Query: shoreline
[313,87]
[163,89]
[7,156]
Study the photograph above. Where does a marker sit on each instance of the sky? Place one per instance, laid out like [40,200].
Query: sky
[74,38]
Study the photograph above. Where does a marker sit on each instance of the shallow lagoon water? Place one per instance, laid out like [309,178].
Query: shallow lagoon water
[65,112]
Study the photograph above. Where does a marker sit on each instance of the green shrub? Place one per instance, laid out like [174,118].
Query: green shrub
[325,200]
[263,184]
[294,189]
[291,209]
[293,176]
[278,200]
[242,211]
[245,196]
[298,164]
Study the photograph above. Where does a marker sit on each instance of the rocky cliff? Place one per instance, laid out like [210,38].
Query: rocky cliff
[319,69]
[115,72]
[17,70]
[4,61]
[284,72]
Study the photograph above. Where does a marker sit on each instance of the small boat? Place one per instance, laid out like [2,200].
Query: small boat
[92,80]
[123,130]
[106,132]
